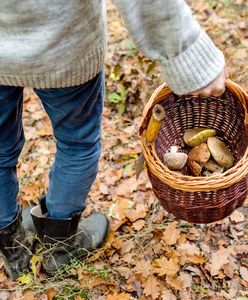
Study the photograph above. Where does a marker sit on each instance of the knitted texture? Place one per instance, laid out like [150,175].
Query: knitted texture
[54,44]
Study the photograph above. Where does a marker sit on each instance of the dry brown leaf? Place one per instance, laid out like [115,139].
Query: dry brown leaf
[4,295]
[168,295]
[144,268]
[244,273]
[138,225]
[127,246]
[3,277]
[51,294]
[186,279]
[116,296]
[175,282]
[164,266]
[219,259]
[189,248]
[152,287]
[237,216]
[190,253]
[171,234]
[88,280]
[126,187]
[28,295]
[138,213]
[118,209]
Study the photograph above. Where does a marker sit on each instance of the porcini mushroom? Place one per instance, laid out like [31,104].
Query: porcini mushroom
[158,114]
[197,136]
[175,160]
[213,166]
[220,152]
[197,157]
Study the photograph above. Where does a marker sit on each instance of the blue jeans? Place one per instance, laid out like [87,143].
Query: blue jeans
[75,113]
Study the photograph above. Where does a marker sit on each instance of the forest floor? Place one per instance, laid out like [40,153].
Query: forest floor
[149,253]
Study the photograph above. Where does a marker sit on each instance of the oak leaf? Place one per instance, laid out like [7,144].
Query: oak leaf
[164,266]
[171,234]
[121,296]
[237,217]
[219,259]
[143,267]
[168,295]
[175,282]
[152,287]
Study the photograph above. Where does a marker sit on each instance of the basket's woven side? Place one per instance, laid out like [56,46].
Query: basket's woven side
[181,181]
[199,199]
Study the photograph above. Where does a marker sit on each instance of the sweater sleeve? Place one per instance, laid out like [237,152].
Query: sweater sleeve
[165,31]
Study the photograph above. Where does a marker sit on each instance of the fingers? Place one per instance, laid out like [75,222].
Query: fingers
[216,88]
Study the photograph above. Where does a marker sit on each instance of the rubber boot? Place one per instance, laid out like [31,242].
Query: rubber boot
[15,247]
[64,239]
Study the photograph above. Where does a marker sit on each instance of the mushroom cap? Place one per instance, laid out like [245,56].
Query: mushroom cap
[213,166]
[175,161]
[197,136]
[197,157]
[220,152]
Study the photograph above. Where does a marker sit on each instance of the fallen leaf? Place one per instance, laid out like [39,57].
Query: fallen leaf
[139,224]
[28,295]
[175,282]
[168,295]
[121,296]
[171,234]
[219,259]
[244,273]
[152,287]
[3,277]
[144,268]
[237,217]
[164,266]
[51,294]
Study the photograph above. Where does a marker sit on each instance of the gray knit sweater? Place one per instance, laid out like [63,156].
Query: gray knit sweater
[62,43]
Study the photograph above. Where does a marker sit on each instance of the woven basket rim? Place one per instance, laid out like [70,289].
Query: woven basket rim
[185,182]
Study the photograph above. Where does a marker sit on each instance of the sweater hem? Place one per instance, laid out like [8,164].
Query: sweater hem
[73,74]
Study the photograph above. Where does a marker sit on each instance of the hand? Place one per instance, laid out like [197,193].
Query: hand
[215,88]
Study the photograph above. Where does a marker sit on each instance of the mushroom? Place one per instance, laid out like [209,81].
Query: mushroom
[220,152]
[175,160]
[212,166]
[197,157]
[154,125]
[197,136]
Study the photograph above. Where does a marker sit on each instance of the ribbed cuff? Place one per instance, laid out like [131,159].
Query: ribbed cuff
[194,68]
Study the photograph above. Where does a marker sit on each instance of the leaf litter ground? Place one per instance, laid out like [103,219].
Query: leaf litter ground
[149,254]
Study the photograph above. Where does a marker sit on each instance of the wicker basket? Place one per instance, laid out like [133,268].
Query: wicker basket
[199,199]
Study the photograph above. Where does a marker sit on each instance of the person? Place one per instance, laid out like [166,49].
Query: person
[58,49]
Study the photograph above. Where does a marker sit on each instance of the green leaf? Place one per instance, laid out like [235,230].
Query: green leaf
[114,97]
[123,92]
[122,108]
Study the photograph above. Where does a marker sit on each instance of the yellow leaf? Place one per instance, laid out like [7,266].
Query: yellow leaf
[25,279]
[35,260]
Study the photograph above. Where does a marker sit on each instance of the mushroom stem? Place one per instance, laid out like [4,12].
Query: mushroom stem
[158,114]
